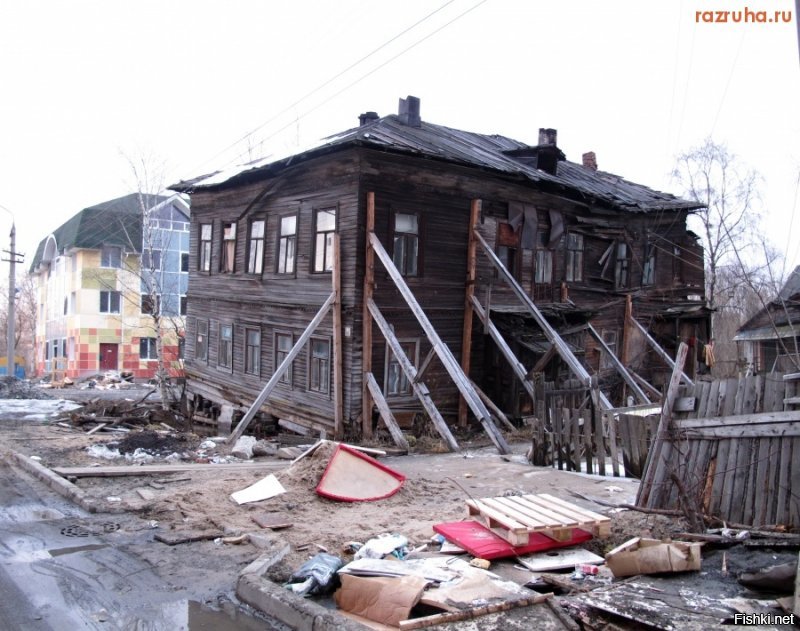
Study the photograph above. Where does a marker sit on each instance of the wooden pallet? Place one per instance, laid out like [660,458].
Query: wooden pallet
[515,517]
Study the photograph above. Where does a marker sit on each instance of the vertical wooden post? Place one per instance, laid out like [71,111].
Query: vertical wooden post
[336,281]
[626,342]
[366,317]
[466,337]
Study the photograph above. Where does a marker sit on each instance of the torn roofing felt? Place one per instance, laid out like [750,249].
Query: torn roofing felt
[437,142]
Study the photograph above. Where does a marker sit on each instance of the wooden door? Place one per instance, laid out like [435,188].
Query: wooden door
[109,354]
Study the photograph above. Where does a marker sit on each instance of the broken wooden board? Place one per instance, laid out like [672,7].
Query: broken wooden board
[355,477]
[157,469]
[174,537]
[658,605]
[515,517]
[271,521]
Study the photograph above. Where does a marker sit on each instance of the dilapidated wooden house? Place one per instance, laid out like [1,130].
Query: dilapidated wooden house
[455,271]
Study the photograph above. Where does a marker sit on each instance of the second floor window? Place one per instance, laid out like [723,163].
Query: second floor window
[543,270]
[621,267]
[574,270]
[286,244]
[228,247]
[184,261]
[323,241]
[225,355]
[405,244]
[151,260]
[255,255]
[111,256]
[205,247]
[252,352]
[110,301]
[649,267]
[508,247]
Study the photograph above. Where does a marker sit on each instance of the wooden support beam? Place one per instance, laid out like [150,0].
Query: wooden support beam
[425,363]
[654,460]
[284,366]
[466,336]
[385,412]
[366,319]
[516,366]
[449,362]
[647,386]
[338,392]
[621,369]
[420,389]
[550,333]
[495,410]
[660,351]
[540,365]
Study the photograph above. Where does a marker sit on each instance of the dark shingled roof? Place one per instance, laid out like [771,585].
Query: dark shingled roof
[115,222]
[489,152]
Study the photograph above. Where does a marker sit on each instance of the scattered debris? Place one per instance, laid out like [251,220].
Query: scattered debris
[272,521]
[264,489]
[651,556]
[316,576]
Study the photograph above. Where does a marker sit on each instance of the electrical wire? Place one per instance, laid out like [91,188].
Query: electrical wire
[326,83]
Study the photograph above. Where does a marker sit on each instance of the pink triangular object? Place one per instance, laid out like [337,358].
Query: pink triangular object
[352,476]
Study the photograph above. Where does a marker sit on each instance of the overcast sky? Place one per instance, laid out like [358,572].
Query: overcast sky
[198,85]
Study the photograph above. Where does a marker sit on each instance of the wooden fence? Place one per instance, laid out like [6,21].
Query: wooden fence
[732,451]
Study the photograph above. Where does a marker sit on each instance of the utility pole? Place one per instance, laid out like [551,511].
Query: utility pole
[12,294]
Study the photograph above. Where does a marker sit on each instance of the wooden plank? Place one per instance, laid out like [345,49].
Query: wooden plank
[466,337]
[728,407]
[729,470]
[794,484]
[656,460]
[366,319]
[713,404]
[740,479]
[741,419]
[338,358]
[449,362]
[603,522]
[558,439]
[762,430]
[386,413]
[597,430]
[420,389]
[702,403]
[280,370]
[783,497]
[495,410]
[574,438]
[525,514]
[96,428]
[772,400]
[610,421]
[156,469]
[502,525]
[761,490]
[469,614]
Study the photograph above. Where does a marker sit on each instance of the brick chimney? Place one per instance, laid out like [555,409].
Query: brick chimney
[367,117]
[408,111]
[590,160]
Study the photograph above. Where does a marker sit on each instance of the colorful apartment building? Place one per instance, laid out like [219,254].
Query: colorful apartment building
[108,280]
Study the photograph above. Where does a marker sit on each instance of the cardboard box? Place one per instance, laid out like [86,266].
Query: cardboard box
[651,556]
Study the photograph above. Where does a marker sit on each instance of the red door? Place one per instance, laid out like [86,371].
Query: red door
[108,356]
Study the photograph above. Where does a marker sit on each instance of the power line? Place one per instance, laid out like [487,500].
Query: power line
[327,83]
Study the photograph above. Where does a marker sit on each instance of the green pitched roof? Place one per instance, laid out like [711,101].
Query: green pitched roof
[117,222]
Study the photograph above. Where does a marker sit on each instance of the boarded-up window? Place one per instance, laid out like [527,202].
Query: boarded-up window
[255,256]
[225,353]
[204,260]
[323,241]
[507,247]
[252,352]
[319,362]
[228,247]
[283,344]
[405,244]
[574,266]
